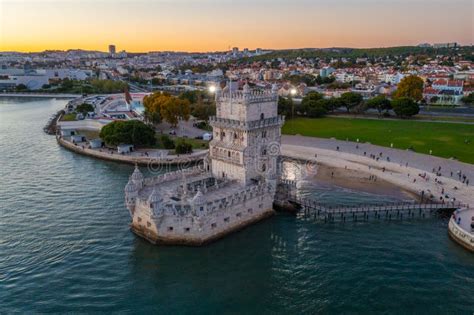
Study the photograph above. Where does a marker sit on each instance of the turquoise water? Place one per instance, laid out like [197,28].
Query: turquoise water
[65,246]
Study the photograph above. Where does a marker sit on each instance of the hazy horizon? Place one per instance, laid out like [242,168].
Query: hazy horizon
[212,25]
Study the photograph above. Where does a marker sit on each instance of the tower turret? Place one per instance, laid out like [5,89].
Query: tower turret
[131,194]
[137,177]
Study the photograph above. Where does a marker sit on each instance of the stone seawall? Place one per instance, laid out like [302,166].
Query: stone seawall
[142,161]
[157,240]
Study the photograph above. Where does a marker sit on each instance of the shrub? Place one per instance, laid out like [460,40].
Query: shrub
[84,108]
[183,147]
[167,142]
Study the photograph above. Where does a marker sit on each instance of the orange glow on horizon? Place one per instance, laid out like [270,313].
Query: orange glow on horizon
[211,25]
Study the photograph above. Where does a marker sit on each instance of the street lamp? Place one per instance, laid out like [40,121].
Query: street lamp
[212,88]
[293,92]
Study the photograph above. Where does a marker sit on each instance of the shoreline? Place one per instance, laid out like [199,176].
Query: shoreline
[404,177]
[37,95]
[185,161]
[360,181]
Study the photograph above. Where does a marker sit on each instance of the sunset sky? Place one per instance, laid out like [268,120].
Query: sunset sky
[208,25]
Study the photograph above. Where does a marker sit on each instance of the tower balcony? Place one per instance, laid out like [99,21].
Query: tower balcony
[246,125]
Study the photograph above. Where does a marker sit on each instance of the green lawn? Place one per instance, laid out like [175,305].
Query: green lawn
[196,143]
[444,139]
[69,117]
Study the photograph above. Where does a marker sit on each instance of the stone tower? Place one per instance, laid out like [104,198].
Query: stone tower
[247,132]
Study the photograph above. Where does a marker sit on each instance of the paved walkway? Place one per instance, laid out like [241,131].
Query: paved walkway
[466,219]
[403,169]
[416,160]
[143,157]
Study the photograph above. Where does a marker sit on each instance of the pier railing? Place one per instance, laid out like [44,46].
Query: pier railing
[317,211]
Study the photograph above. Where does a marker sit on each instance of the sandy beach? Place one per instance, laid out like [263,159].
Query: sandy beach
[353,170]
[359,181]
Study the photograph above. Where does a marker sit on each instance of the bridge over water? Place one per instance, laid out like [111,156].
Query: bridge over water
[309,208]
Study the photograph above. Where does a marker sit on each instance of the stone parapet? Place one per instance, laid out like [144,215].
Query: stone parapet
[460,235]
[246,126]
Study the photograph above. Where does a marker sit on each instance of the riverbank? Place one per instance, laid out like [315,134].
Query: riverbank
[42,95]
[142,157]
[360,181]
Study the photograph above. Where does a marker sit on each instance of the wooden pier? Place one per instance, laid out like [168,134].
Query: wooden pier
[311,209]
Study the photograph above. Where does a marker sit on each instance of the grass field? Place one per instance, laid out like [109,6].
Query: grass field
[444,139]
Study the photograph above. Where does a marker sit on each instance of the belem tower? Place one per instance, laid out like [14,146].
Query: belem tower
[234,187]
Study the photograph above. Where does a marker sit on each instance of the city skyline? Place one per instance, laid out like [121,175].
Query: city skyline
[208,25]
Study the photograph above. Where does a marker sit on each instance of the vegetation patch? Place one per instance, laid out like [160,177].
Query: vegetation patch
[446,140]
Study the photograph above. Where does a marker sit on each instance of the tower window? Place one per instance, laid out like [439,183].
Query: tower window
[264,167]
[262,116]
[228,153]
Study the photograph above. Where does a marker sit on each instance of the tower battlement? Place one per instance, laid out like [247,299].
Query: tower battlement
[247,97]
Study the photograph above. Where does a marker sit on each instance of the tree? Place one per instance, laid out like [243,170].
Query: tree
[468,100]
[174,109]
[405,107]
[350,100]
[434,99]
[310,100]
[167,142]
[84,108]
[153,104]
[334,103]
[165,106]
[128,132]
[410,86]
[21,87]
[285,106]
[203,110]
[317,108]
[380,103]
[202,104]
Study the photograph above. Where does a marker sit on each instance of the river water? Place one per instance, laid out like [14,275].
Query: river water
[65,246]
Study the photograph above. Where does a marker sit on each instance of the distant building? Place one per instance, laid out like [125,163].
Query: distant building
[235,51]
[112,49]
[326,71]
[445,45]
[444,91]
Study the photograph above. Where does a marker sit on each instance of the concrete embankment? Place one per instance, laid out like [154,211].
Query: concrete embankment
[459,230]
[184,160]
[36,95]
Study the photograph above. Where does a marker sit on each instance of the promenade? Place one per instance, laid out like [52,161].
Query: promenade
[44,95]
[143,157]
[410,170]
